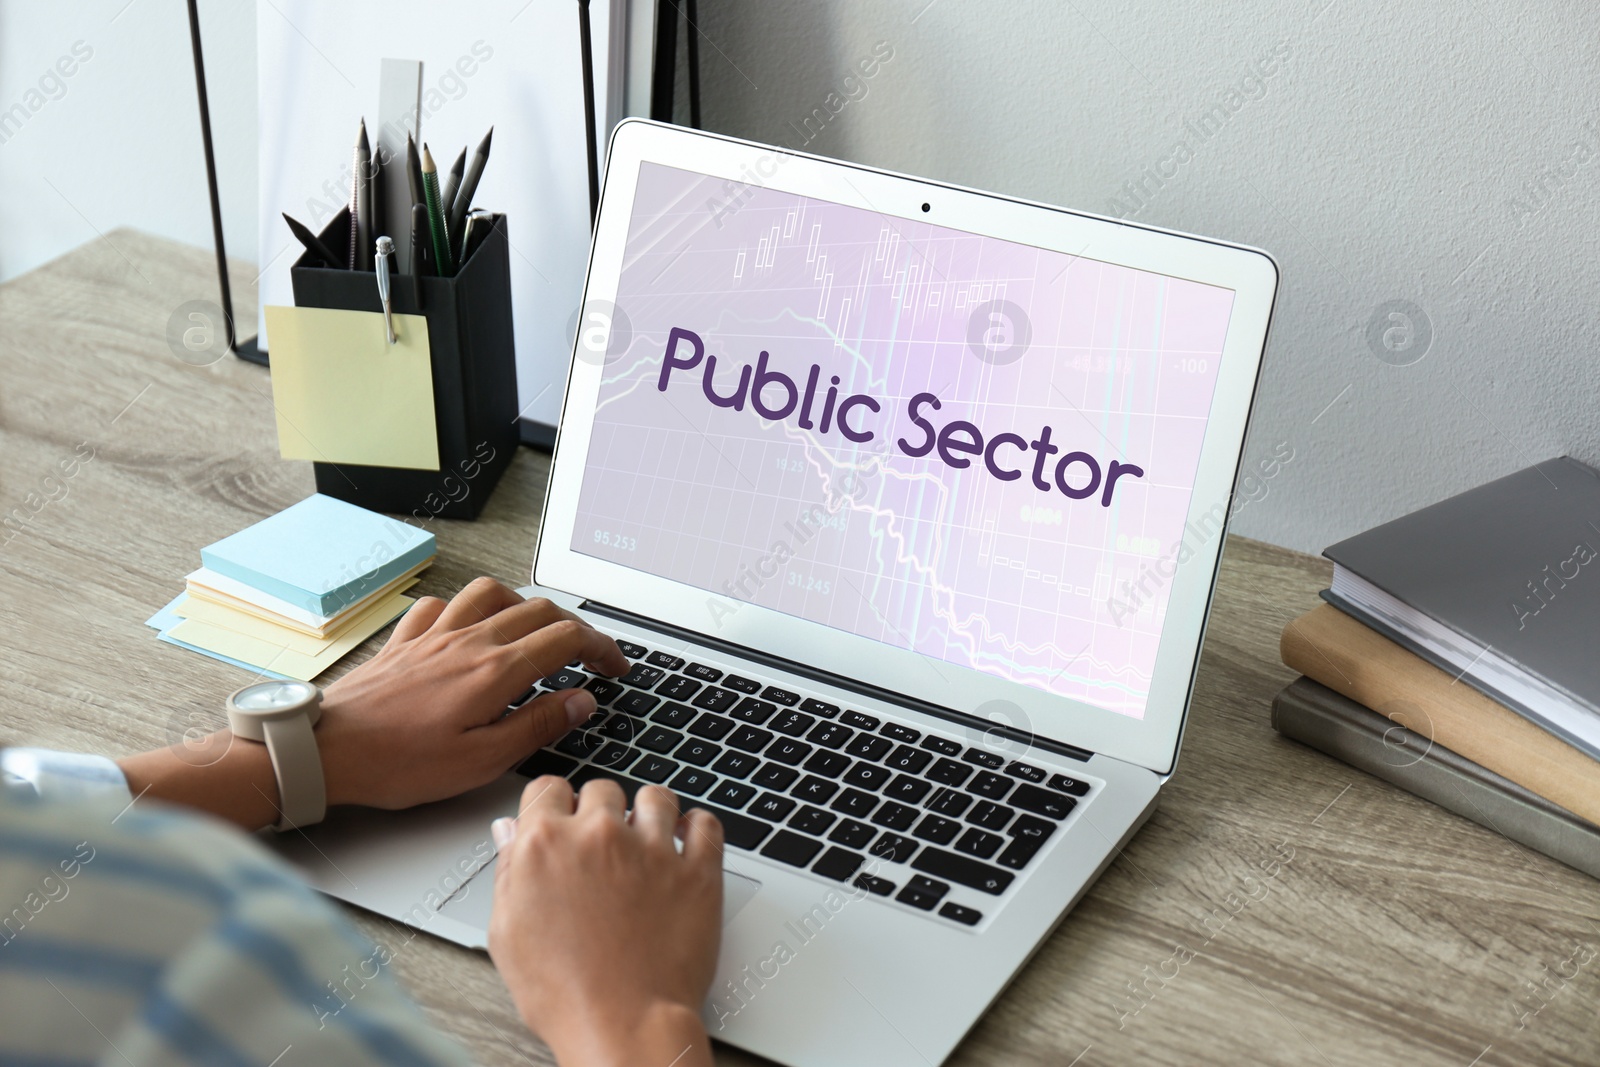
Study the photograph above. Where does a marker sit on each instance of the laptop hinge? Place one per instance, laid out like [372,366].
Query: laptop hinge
[985,727]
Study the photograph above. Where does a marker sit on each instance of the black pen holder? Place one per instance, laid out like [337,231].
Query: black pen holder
[474,374]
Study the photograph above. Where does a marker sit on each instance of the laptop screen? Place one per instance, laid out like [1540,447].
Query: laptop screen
[974,449]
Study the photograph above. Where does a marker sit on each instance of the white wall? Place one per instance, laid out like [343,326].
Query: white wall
[1380,163]
[117,143]
[1388,157]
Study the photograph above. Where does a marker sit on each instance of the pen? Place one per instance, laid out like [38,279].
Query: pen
[385,248]
[314,244]
[361,203]
[447,196]
[436,227]
[473,233]
[469,185]
[419,225]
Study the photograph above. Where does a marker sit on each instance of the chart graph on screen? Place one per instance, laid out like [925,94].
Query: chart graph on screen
[949,443]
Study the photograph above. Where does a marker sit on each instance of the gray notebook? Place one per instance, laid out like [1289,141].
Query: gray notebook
[1500,586]
[1317,716]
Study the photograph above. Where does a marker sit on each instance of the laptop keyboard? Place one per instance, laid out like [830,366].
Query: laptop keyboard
[906,815]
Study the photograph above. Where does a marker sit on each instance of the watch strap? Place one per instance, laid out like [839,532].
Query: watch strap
[302,793]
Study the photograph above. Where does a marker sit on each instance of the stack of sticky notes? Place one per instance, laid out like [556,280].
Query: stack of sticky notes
[291,595]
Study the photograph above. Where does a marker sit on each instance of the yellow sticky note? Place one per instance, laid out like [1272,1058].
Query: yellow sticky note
[344,394]
[273,655]
[303,622]
[365,623]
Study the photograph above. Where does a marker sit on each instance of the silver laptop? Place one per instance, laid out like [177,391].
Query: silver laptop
[905,502]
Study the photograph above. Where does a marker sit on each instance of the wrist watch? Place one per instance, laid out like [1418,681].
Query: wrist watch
[282,713]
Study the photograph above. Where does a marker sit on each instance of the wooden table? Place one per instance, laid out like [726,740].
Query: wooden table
[1396,934]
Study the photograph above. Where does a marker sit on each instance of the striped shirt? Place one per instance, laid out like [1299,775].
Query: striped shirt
[131,934]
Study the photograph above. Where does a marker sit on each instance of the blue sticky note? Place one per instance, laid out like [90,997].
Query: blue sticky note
[168,617]
[321,554]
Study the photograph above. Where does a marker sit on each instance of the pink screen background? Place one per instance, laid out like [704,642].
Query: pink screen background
[960,566]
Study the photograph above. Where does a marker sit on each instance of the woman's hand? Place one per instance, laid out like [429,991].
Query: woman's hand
[604,933]
[422,720]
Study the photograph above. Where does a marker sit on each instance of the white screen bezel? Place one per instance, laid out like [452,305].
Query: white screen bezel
[1151,741]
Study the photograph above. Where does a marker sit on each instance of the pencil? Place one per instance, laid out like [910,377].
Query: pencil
[436,226]
[469,185]
[361,205]
[313,243]
[413,170]
[447,196]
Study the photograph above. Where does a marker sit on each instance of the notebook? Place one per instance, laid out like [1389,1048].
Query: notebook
[320,555]
[1317,716]
[1499,585]
[1361,664]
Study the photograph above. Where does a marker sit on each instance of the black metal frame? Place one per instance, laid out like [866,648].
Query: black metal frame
[248,350]
[587,47]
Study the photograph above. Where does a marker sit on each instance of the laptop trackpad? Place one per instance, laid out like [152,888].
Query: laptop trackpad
[471,902]
[737,891]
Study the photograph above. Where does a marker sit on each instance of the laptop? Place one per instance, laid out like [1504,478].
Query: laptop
[905,502]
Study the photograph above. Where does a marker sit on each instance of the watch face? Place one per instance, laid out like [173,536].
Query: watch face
[270,696]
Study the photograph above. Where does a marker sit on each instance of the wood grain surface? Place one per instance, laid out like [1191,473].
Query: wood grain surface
[1388,931]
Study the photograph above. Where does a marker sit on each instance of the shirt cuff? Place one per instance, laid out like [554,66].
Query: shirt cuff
[61,776]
